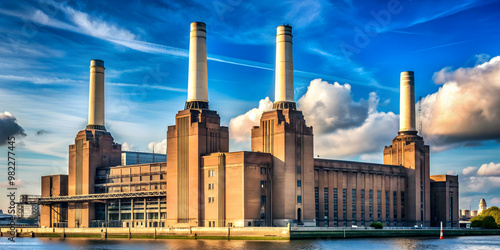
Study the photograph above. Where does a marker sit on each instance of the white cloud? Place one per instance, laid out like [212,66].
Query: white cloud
[480,184]
[451,172]
[469,170]
[39,80]
[127,147]
[491,169]
[341,126]
[96,26]
[158,147]
[465,108]
[240,127]
[329,107]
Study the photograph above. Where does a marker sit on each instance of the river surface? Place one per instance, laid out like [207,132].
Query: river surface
[456,243]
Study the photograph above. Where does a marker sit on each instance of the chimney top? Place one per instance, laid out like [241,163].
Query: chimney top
[96,62]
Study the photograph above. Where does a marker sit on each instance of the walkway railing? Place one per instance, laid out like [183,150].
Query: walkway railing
[105,196]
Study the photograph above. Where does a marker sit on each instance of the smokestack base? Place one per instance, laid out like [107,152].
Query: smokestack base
[196,105]
[284,105]
[96,127]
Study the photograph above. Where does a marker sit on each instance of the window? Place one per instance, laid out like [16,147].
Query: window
[263,184]
[316,201]
[262,170]
[211,186]
[211,199]
[299,199]
[211,173]
[387,206]
[299,183]
[326,206]
[344,194]
[362,196]
[335,206]
[402,205]
[394,205]
[354,196]
[371,197]
[262,199]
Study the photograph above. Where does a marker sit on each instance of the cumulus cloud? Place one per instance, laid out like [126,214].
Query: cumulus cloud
[465,108]
[330,107]
[9,127]
[127,147]
[479,184]
[240,127]
[469,170]
[482,182]
[491,169]
[158,147]
[342,126]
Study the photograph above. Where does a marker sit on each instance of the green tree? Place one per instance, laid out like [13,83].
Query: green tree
[477,221]
[489,218]
[376,225]
[489,222]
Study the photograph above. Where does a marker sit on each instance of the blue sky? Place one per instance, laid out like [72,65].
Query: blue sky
[46,48]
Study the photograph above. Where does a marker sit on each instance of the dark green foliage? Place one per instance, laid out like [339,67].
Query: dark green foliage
[489,219]
[376,225]
[489,222]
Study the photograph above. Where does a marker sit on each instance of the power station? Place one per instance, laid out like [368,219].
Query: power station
[277,183]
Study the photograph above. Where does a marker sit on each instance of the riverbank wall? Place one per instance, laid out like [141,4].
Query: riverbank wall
[326,233]
[246,233]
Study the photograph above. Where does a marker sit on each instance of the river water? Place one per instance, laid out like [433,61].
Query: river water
[455,243]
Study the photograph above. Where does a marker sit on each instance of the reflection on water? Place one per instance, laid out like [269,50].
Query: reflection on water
[455,243]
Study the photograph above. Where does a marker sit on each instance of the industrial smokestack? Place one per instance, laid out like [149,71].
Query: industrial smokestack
[284,98]
[407,102]
[197,81]
[96,95]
